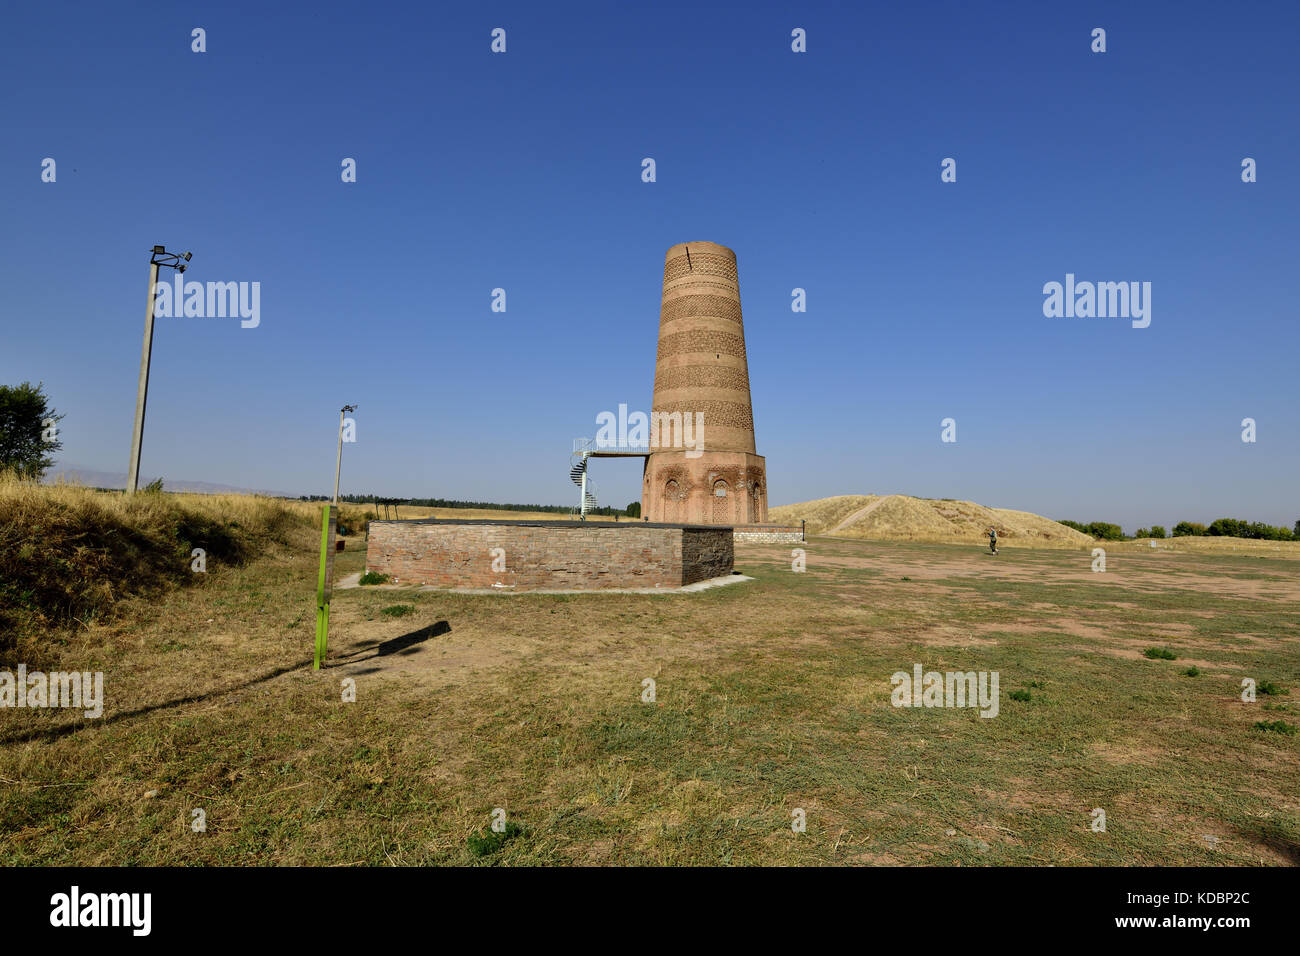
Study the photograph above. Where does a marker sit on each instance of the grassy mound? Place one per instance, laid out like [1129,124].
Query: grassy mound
[904,518]
[68,554]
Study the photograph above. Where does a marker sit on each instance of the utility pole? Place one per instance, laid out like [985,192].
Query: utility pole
[160,257]
[338,464]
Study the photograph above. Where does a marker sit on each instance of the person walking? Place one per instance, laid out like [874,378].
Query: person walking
[993,540]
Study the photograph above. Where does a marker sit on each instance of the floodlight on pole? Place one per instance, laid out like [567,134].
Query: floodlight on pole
[338,464]
[159,257]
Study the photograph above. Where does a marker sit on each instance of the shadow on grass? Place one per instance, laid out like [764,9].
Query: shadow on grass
[63,730]
[1273,837]
[405,644]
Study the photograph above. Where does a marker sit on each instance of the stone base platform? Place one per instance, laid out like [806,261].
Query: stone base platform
[548,555]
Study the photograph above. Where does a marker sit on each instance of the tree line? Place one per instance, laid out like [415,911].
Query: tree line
[1219,528]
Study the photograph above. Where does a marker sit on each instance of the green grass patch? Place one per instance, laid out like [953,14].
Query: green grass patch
[1276,726]
[485,844]
[398,610]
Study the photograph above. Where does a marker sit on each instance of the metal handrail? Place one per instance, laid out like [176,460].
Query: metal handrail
[585,446]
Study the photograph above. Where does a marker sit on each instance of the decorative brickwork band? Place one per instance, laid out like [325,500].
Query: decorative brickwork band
[704,340]
[701,376]
[701,263]
[710,306]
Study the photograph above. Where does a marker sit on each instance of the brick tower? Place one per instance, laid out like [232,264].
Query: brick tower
[702,376]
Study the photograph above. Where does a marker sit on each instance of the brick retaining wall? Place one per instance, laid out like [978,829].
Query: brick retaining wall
[548,554]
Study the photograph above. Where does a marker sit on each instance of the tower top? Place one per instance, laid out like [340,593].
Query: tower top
[716,248]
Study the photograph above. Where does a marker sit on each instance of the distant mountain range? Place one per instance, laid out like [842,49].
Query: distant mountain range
[117,479]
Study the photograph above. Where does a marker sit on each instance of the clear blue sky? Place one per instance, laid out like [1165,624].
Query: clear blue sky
[523,171]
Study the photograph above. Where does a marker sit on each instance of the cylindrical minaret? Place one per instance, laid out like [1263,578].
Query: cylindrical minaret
[703,467]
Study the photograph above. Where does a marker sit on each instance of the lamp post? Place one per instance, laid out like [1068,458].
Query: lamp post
[177,261]
[338,464]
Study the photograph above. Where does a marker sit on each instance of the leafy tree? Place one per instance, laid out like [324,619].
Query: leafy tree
[634,510]
[1226,528]
[28,430]
[1188,529]
[1158,531]
[1106,531]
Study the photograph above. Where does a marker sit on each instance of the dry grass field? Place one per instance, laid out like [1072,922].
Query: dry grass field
[1210,545]
[771,696]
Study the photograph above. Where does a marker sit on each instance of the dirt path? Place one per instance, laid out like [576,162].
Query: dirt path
[860,513]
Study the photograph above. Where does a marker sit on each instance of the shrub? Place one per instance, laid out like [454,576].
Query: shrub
[398,610]
[1193,671]
[1268,687]
[1160,654]
[1276,726]
[490,842]
[1021,695]
[373,577]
